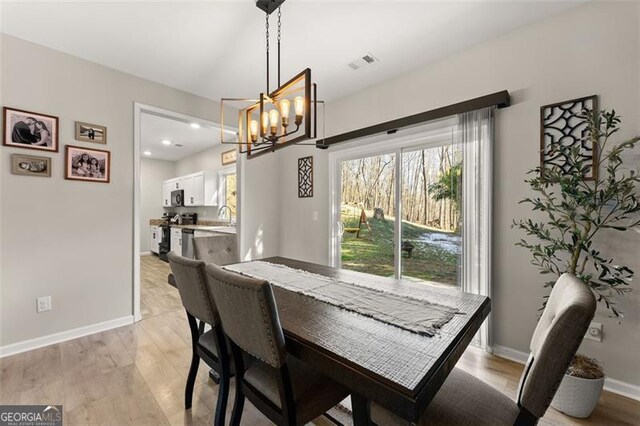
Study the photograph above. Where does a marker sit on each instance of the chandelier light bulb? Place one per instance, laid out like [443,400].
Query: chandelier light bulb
[274,116]
[285,106]
[265,122]
[253,130]
[298,105]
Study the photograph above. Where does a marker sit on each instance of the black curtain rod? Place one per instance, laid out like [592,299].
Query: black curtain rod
[498,99]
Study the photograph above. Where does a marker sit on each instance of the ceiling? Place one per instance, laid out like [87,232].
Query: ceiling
[154,129]
[216,48]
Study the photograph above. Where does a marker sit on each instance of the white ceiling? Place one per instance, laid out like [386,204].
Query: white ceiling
[216,48]
[154,129]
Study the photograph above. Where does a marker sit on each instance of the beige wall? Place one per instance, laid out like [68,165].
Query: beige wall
[152,174]
[72,240]
[590,49]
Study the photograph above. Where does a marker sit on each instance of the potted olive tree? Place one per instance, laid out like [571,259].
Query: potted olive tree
[573,210]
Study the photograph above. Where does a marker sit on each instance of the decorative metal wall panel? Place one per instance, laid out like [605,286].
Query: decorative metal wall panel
[305,177]
[562,123]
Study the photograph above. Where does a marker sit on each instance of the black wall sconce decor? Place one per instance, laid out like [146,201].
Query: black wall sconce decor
[305,177]
[564,124]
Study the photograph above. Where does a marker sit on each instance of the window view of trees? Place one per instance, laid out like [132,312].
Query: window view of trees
[431,204]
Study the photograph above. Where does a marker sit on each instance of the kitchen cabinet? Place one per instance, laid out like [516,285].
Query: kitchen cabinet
[176,240]
[155,235]
[166,193]
[199,189]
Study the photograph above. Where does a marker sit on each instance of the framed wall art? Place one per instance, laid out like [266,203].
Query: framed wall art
[305,177]
[86,164]
[563,123]
[86,132]
[31,130]
[229,157]
[30,165]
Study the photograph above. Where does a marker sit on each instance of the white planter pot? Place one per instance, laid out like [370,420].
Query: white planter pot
[577,397]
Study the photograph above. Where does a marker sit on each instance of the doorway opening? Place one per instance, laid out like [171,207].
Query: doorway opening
[185,188]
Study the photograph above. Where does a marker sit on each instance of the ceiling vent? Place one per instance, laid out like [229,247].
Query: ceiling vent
[178,145]
[364,60]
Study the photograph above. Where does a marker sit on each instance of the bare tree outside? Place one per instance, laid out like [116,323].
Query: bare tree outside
[431,206]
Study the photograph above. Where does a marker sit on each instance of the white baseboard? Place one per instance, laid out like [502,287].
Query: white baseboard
[612,385]
[510,354]
[39,342]
[145,253]
[622,388]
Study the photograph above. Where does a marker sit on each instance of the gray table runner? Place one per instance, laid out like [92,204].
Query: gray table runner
[415,314]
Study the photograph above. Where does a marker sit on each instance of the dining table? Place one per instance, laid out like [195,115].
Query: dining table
[379,361]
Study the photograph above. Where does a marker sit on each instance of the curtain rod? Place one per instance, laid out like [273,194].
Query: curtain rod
[498,99]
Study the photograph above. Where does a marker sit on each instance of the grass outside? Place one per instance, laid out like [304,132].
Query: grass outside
[373,251]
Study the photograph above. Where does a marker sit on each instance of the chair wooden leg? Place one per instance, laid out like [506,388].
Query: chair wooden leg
[238,406]
[223,396]
[195,362]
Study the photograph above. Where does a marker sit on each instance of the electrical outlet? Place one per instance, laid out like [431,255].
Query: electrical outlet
[315,215]
[43,304]
[594,332]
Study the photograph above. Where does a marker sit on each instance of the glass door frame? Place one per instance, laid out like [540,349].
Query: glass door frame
[432,135]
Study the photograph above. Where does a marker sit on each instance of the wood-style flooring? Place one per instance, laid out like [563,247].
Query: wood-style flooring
[135,375]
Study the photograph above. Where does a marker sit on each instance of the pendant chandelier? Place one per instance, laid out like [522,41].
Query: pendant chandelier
[284,116]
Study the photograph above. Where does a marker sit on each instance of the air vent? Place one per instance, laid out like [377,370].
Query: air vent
[363,61]
[368,59]
[179,145]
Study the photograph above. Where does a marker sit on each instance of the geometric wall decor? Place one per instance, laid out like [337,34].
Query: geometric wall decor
[561,123]
[305,177]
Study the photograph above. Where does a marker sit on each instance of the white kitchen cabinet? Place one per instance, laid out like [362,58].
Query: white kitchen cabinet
[176,240]
[199,189]
[166,193]
[194,190]
[154,239]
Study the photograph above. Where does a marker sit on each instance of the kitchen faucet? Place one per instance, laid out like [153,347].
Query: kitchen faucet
[222,208]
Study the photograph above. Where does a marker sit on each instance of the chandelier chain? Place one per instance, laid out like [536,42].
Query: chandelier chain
[279,24]
[267,46]
[279,30]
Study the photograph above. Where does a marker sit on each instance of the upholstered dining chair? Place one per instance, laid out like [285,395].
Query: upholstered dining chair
[220,249]
[465,400]
[210,346]
[284,389]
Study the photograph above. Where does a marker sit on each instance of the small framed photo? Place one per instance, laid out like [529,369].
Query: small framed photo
[229,157]
[90,165]
[86,132]
[31,130]
[30,165]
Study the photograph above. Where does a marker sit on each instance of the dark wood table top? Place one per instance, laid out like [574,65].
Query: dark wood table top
[397,369]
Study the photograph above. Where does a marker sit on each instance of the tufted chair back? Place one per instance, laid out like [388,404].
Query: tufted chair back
[248,313]
[190,280]
[218,249]
[562,326]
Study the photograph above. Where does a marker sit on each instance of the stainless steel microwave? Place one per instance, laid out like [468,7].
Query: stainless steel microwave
[177,198]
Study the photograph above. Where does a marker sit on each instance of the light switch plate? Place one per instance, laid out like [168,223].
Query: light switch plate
[43,304]
[315,215]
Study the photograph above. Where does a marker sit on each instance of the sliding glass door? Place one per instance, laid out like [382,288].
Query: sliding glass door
[367,214]
[418,206]
[431,205]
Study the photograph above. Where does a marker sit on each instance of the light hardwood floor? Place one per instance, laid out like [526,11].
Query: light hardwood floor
[135,375]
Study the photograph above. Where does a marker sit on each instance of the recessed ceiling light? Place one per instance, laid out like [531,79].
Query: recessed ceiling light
[166,142]
[195,125]
[147,153]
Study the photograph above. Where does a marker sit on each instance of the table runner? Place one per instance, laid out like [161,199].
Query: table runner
[417,315]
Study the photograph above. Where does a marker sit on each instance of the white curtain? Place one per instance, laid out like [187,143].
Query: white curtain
[475,134]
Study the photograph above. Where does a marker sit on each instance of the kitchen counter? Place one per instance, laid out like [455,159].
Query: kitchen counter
[204,228]
[206,223]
